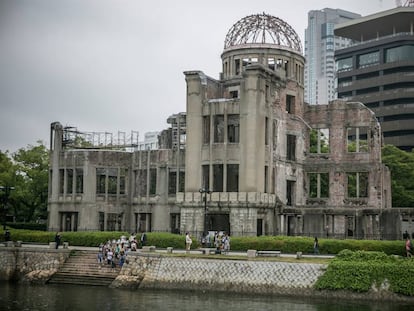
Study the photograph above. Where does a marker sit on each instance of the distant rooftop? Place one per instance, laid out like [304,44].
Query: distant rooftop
[385,23]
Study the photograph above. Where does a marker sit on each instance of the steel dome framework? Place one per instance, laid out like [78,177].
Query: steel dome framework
[262,28]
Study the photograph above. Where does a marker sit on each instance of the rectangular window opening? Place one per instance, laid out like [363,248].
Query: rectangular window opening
[218,177]
[319,185]
[219,129]
[357,139]
[291,147]
[319,140]
[232,178]
[358,184]
[233,128]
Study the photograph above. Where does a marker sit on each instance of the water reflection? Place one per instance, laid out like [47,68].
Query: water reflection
[68,297]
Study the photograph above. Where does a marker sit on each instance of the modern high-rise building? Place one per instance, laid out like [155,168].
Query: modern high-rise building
[320,44]
[378,70]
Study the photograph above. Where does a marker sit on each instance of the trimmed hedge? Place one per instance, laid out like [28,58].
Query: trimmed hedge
[288,244]
[27,226]
[360,270]
[285,244]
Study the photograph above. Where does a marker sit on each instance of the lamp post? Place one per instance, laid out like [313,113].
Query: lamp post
[5,200]
[204,192]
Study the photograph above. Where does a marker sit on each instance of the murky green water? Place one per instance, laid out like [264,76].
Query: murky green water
[68,297]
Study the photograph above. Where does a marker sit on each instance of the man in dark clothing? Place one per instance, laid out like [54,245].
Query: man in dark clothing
[143,239]
[7,236]
[57,240]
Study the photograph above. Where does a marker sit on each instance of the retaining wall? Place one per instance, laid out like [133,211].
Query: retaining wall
[154,271]
[29,264]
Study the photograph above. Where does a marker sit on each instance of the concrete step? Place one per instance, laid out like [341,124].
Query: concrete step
[81,280]
[82,268]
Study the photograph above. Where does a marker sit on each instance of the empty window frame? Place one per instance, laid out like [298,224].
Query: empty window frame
[79,180]
[218,177]
[266,178]
[290,147]
[61,181]
[205,183]
[206,129]
[234,94]
[271,63]
[153,181]
[237,67]
[266,129]
[219,128]
[172,182]
[357,139]
[290,104]
[249,60]
[233,128]
[69,181]
[357,184]
[112,180]
[232,178]
[181,181]
[318,185]
[100,181]
[319,140]
[290,192]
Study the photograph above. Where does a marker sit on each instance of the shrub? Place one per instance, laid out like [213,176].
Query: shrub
[27,226]
[359,270]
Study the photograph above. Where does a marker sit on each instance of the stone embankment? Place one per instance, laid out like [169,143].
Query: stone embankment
[264,277]
[153,270]
[29,264]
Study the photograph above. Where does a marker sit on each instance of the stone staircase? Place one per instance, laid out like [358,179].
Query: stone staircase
[82,268]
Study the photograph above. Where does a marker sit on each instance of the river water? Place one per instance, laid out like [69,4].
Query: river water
[78,298]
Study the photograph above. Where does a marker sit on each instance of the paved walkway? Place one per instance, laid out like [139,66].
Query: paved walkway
[179,251]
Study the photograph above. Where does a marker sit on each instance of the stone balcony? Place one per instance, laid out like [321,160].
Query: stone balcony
[227,198]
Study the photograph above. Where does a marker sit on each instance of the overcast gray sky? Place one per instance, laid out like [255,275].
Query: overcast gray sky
[117,65]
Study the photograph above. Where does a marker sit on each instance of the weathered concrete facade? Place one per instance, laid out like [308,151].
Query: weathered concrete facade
[248,157]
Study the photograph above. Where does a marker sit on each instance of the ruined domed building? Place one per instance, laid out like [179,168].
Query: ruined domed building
[248,157]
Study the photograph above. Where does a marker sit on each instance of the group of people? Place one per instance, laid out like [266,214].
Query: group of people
[218,240]
[114,252]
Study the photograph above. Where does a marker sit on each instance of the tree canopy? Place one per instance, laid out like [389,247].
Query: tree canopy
[24,175]
[401,165]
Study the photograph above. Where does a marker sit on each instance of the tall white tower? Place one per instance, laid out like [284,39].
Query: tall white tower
[320,44]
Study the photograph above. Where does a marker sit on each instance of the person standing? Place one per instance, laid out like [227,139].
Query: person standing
[100,254]
[188,242]
[408,247]
[226,243]
[316,246]
[57,239]
[7,236]
[143,239]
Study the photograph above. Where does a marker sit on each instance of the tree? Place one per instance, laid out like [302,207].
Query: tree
[27,172]
[7,180]
[401,165]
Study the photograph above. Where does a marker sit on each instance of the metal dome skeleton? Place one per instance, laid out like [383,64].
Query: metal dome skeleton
[262,28]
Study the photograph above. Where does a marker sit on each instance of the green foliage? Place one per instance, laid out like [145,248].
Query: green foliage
[285,244]
[401,165]
[318,144]
[27,172]
[360,270]
[27,226]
